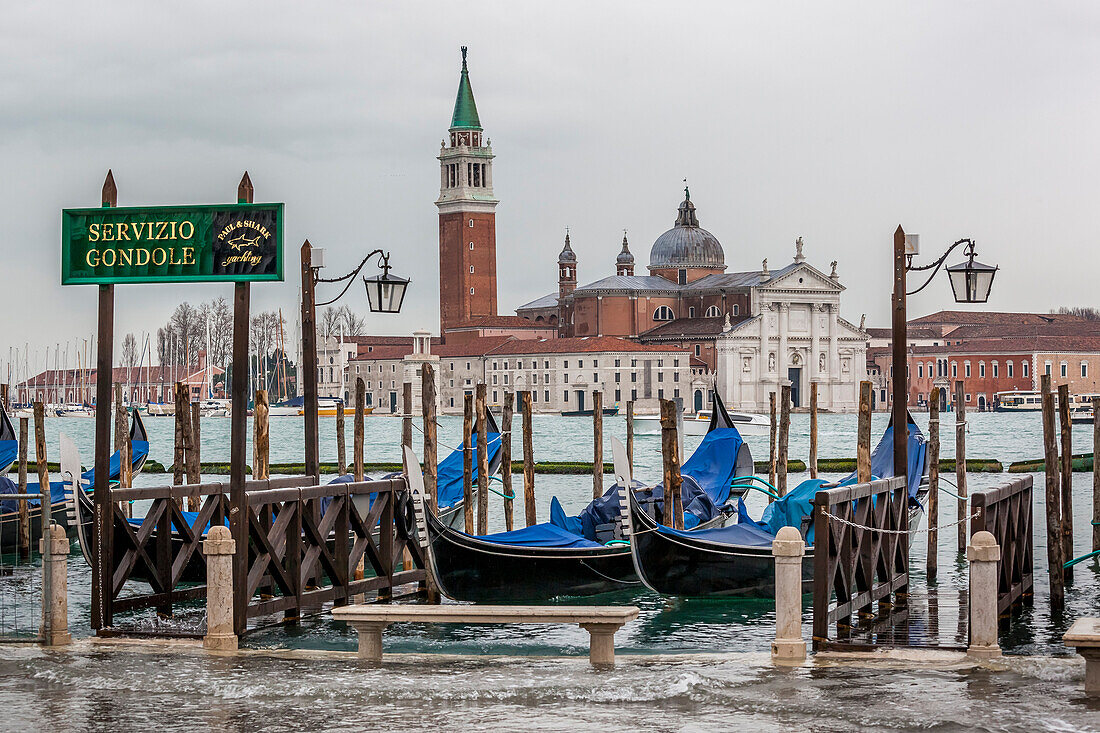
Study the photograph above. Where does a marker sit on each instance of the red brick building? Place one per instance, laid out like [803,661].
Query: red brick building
[993,352]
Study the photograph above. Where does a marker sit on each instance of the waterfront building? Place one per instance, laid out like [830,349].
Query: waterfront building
[991,352]
[139,384]
[560,373]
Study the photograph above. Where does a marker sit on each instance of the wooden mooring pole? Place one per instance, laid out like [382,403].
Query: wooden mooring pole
[813,429]
[630,437]
[431,451]
[406,419]
[24,511]
[960,462]
[784,438]
[407,441]
[194,454]
[597,444]
[467,461]
[673,501]
[506,458]
[261,437]
[43,468]
[341,445]
[427,411]
[771,441]
[181,417]
[1055,558]
[482,459]
[358,427]
[863,434]
[933,483]
[528,462]
[1066,480]
[238,422]
[121,435]
[103,518]
[1095,474]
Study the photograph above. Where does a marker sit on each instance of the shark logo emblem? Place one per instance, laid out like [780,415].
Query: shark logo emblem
[241,241]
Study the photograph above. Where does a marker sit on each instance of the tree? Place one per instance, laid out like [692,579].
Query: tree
[328,325]
[353,323]
[1089,313]
[217,317]
[129,351]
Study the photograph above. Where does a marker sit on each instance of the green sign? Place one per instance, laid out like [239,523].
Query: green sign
[162,244]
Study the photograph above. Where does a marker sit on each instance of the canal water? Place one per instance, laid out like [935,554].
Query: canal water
[666,625]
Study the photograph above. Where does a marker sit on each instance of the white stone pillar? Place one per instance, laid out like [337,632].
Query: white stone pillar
[788,549]
[763,374]
[781,356]
[219,547]
[983,554]
[815,348]
[55,588]
[834,354]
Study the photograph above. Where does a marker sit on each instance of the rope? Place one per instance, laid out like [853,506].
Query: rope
[1076,560]
[608,577]
[977,513]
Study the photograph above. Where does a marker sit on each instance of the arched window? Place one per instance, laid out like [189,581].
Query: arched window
[691,312]
[663,313]
[715,312]
[736,309]
[471,245]
[471,269]
[471,223]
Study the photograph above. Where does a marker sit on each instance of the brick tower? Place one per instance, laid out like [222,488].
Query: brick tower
[467,218]
[567,283]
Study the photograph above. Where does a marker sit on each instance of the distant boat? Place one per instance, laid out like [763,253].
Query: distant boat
[588,413]
[745,422]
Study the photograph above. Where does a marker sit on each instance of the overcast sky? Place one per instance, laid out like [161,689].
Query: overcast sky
[828,121]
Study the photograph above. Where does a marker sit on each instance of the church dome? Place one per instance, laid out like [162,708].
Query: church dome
[687,244]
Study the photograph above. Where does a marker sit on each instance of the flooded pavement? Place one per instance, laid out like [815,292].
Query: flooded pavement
[131,690]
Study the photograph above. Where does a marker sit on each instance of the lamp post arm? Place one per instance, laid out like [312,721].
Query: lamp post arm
[935,266]
[350,277]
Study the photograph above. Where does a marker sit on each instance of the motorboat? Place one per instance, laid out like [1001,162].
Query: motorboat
[698,424]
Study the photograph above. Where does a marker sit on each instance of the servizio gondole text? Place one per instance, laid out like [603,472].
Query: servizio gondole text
[141,232]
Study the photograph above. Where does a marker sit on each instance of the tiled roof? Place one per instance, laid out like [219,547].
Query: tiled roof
[546,301]
[582,344]
[499,322]
[121,375]
[687,328]
[992,318]
[912,333]
[1016,345]
[1026,329]
[631,282]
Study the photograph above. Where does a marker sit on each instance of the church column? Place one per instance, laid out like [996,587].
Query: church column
[762,375]
[834,356]
[781,357]
[814,347]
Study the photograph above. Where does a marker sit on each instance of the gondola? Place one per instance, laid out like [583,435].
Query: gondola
[736,560]
[583,555]
[59,506]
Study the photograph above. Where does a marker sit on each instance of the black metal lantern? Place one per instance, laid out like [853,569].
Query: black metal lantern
[385,292]
[971,281]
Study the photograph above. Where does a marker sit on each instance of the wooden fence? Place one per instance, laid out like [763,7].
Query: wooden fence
[304,543]
[1006,512]
[861,555]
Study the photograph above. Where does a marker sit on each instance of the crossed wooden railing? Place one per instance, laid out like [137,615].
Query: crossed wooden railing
[304,545]
[1006,512]
[861,555]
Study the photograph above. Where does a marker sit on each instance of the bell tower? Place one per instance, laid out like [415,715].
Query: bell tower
[567,283]
[467,218]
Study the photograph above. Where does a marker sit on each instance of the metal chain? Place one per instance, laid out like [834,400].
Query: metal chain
[977,513]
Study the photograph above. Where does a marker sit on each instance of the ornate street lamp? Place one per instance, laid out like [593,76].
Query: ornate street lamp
[971,282]
[385,294]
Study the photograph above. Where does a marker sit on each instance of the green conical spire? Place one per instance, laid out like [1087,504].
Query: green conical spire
[465,116]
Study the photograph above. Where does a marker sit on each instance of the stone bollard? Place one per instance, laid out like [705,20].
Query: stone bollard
[55,589]
[984,553]
[219,547]
[788,548]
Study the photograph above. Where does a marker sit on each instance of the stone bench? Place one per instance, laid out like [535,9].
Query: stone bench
[601,622]
[1084,637]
